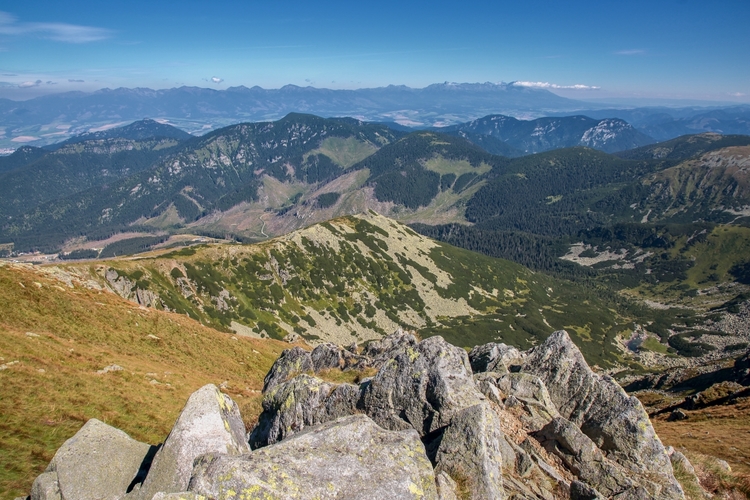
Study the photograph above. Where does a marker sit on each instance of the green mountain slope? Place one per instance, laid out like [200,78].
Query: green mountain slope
[553,193]
[358,278]
[20,157]
[412,171]
[76,168]
[548,133]
[213,172]
[714,186]
[685,147]
[136,131]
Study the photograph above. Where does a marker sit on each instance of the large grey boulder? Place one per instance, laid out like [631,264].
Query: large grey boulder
[494,357]
[301,402]
[616,423]
[210,422]
[98,463]
[470,452]
[422,386]
[348,458]
[291,363]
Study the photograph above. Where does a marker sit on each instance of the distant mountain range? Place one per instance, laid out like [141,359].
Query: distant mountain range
[255,180]
[49,118]
[53,118]
[544,134]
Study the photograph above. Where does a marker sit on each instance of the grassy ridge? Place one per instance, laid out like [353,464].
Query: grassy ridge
[61,336]
[358,278]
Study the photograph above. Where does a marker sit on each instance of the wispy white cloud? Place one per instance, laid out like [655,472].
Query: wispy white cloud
[216,80]
[630,52]
[26,85]
[36,83]
[737,94]
[60,32]
[547,85]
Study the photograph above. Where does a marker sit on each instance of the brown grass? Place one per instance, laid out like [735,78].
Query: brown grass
[54,388]
[719,481]
[720,431]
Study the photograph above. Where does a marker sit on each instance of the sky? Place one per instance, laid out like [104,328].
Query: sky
[665,49]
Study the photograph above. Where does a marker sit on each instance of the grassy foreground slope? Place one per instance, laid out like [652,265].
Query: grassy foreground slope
[55,337]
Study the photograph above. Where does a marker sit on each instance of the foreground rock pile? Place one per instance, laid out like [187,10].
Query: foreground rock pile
[432,423]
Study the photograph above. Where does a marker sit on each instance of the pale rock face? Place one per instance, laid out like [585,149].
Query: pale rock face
[349,458]
[421,387]
[98,463]
[470,450]
[616,423]
[46,487]
[183,495]
[210,422]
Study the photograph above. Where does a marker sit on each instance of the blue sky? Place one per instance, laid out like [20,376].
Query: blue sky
[681,49]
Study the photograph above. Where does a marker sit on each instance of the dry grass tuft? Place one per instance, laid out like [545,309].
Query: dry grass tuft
[716,478]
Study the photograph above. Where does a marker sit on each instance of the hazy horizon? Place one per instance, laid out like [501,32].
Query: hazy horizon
[676,49]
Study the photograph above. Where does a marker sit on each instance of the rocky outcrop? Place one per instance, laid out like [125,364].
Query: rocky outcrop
[615,422]
[302,402]
[537,396]
[349,458]
[291,363]
[210,422]
[430,424]
[421,387]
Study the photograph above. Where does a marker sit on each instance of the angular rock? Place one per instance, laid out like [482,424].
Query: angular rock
[469,452]
[486,382]
[210,422]
[325,357]
[615,422]
[579,454]
[532,393]
[493,357]
[382,350]
[582,491]
[677,415]
[98,462]
[46,487]
[291,363]
[446,487]
[348,458]
[301,402]
[422,386]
